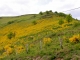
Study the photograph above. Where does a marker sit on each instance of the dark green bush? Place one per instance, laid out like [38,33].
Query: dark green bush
[11,35]
[69,18]
[47,12]
[61,22]
[56,12]
[76,24]
[34,22]
[50,11]
[41,13]
[62,14]
[10,22]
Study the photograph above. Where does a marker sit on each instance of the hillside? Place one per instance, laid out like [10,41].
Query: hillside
[44,36]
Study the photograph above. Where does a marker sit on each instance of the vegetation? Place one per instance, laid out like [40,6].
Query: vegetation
[34,22]
[44,36]
[61,22]
[69,18]
[41,13]
[11,35]
[61,14]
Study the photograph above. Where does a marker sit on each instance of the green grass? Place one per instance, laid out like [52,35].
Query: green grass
[53,51]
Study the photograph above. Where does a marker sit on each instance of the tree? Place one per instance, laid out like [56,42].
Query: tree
[62,14]
[47,12]
[41,13]
[56,12]
[50,11]
[34,22]
[11,35]
[69,18]
[61,22]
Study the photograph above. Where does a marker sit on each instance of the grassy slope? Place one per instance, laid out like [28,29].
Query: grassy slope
[28,33]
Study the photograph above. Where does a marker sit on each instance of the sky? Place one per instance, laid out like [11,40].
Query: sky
[21,7]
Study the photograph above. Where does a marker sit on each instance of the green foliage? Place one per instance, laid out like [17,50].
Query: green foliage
[56,12]
[37,48]
[69,18]
[50,11]
[10,22]
[47,12]
[34,22]
[1,51]
[11,35]
[41,13]
[0,17]
[34,16]
[76,24]
[61,22]
[62,14]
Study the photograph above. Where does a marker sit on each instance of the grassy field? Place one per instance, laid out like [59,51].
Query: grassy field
[43,36]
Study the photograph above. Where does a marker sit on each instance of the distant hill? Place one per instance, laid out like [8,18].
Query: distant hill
[44,36]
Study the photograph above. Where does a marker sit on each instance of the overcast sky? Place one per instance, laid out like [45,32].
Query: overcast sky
[20,7]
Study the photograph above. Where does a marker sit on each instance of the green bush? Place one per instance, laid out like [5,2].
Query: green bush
[11,35]
[34,22]
[41,13]
[76,24]
[47,12]
[62,14]
[50,11]
[69,18]
[61,22]
[10,22]
[56,12]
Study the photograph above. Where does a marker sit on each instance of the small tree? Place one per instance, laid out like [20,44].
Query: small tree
[11,35]
[69,18]
[34,22]
[50,11]
[47,12]
[62,14]
[61,22]
[56,12]
[41,13]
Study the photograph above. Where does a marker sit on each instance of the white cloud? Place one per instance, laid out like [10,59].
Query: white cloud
[19,7]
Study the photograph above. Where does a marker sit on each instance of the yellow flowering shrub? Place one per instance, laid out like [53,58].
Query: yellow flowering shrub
[19,49]
[46,40]
[75,38]
[8,49]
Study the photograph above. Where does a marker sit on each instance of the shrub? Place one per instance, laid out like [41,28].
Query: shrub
[41,13]
[50,11]
[19,49]
[8,49]
[62,14]
[69,18]
[34,22]
[11,35]
[76,24]
[61,22]
[47,12]
[10,22]
[75,38]
[46,41]
[1,51]
[56,12]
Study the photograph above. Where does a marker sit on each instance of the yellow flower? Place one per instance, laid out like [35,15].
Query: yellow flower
[19,49]
[75,38]
[8,49]
[46,40]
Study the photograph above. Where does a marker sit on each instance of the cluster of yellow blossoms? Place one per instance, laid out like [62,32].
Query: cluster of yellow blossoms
[47,40]
[75,38]
[8,49]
